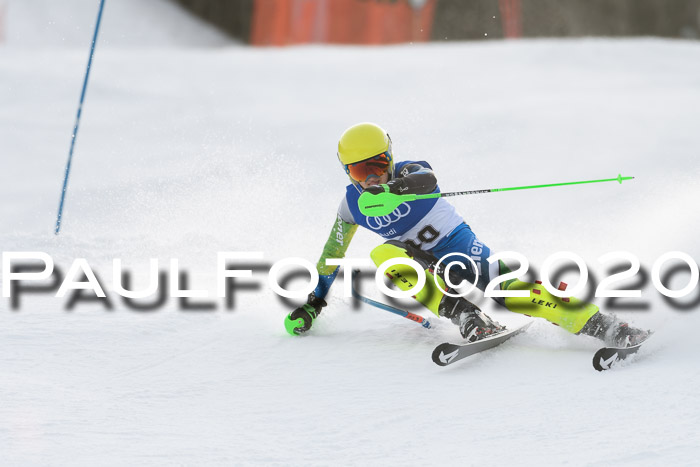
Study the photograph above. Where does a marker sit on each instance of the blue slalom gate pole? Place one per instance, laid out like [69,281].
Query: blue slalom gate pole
[77,120]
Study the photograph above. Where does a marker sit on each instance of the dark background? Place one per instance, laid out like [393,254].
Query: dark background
[474,19]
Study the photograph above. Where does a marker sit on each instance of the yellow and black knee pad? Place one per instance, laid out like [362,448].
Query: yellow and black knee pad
[405,277]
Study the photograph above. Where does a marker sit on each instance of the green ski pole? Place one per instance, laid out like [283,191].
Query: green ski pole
[383,204]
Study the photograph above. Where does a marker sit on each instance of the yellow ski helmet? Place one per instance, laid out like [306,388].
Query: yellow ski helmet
[364,141]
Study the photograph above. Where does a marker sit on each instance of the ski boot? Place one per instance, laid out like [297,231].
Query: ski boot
[473,323]
[613,332]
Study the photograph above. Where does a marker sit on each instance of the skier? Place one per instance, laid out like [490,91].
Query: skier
[426,230]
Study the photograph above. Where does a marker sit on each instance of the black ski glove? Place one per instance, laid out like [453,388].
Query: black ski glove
[396,186]
[300,320]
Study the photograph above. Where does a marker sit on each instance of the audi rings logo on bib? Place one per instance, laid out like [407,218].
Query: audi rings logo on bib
[376,223]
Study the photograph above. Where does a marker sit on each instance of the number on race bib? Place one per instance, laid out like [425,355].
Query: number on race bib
[427,235]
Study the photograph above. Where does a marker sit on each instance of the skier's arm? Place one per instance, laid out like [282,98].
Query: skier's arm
[300,320]
[414,179]
[335,247]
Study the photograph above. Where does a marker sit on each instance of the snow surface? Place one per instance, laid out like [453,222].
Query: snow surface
[185,152]
[125,23]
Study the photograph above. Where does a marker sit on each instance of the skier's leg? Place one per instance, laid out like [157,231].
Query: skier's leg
[473,324]
[405,277]
[569,313]
[572,314]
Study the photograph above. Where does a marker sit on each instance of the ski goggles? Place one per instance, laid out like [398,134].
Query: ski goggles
[374,166]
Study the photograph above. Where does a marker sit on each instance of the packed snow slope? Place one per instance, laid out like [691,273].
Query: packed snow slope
[186,152]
